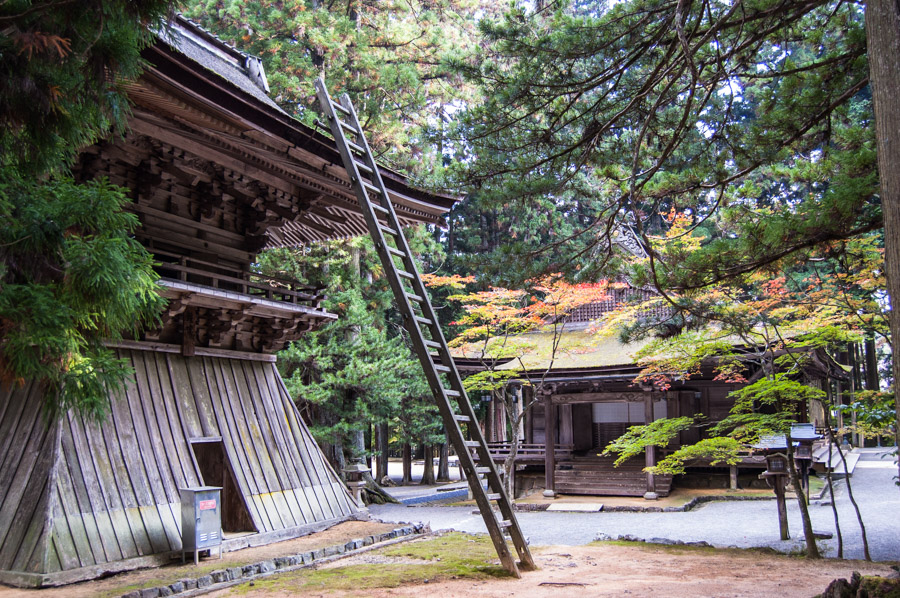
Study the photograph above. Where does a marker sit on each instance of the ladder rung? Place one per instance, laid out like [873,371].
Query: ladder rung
[375,203]
[347,126]
[370,187]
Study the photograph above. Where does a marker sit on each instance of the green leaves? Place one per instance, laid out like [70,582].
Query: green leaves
[657,433]
[72,279]
[62,73]
[388,56]
[615,116]
[717,451]
[357,370]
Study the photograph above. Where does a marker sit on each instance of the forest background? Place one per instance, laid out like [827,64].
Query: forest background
[724,154]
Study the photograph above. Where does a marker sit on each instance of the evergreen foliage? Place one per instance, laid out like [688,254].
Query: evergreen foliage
[71,276]
[388,56]
[63,72]
[754,118]
[358,370]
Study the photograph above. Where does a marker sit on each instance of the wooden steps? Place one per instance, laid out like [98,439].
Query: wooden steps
[597,476]
[820,460]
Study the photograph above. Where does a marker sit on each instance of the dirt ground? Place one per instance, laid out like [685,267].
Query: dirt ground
[617,570]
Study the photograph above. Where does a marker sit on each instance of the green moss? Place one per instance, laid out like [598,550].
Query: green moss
[450,556]
[881,587]
[688,549]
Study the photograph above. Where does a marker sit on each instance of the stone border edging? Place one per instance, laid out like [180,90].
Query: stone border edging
[223,578]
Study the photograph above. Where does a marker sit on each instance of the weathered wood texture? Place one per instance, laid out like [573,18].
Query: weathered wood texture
[27,451]
[594,475]
[79,494]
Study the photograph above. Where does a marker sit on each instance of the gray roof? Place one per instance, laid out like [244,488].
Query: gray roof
[241,70]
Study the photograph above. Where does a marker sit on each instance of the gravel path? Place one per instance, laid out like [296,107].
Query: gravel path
[741,524]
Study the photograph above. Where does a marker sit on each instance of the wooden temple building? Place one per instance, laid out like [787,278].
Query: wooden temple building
[588,397]
[217,172]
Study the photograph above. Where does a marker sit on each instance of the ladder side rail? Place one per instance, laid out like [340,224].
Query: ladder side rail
[409,263]
[400,240]
[427,309]
[413,327]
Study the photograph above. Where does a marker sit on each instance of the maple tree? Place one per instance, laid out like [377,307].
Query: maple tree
[493,329]
[762,328]
[773,123]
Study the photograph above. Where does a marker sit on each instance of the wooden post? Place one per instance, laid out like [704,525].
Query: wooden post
[549,448]
[782,507]
[189,332]
[650,451]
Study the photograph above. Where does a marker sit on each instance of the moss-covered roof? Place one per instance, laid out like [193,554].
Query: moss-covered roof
[579,347]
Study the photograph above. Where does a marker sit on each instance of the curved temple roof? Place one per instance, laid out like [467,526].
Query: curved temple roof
[203,104]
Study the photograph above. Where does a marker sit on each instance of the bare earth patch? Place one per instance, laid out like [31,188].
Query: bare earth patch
[623,570]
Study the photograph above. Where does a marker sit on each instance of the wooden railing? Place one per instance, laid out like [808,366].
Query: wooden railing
[191,270]
[528,452]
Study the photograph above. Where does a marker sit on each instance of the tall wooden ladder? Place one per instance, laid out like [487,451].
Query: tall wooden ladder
[422,324]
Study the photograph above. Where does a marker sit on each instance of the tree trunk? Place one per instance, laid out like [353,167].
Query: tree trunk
[444,462]
[812,550]
[428,463]
[871,364]
[373,492]
[337,456]
[830,480]
[859,519]
[511,404]
[883,42]
[384,451]
[407,464]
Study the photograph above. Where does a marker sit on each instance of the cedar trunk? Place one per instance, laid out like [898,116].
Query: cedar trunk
[407,464]
[444,461]
[428,463]
[384,451]
[883,42]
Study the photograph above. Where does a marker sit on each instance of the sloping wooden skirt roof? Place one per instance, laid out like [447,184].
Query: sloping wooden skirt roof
[79,499]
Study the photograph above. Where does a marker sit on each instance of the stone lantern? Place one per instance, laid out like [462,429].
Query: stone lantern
[802,437]
[356,481]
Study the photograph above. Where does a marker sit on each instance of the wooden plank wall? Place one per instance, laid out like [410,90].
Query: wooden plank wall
[28,449]
[115,494]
